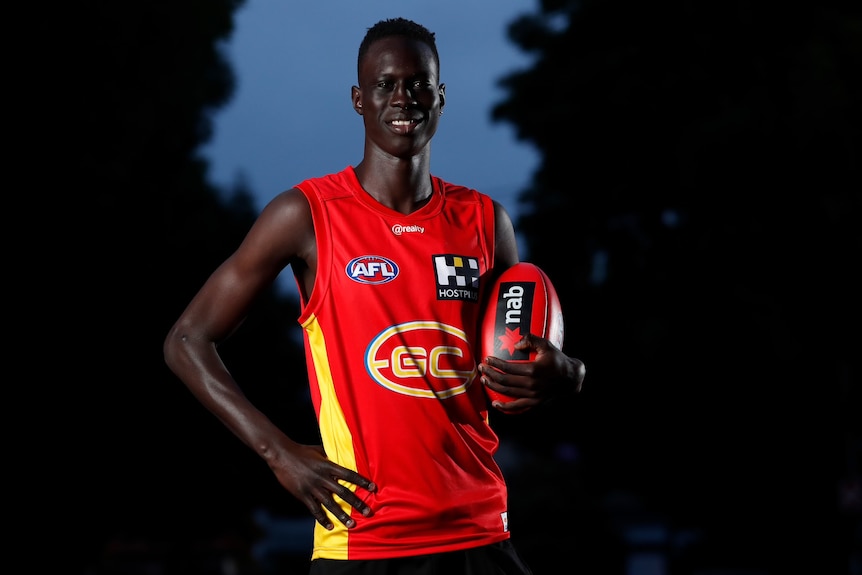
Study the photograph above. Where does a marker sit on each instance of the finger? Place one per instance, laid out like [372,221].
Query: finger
[514,375]
[343,516]
[502,368]
[319,515]
[502,387]
[353,500]
[353,477]
[325,508]
[344,476]
[532,341]
[516,406]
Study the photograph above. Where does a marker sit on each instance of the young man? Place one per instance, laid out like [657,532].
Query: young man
[390,264]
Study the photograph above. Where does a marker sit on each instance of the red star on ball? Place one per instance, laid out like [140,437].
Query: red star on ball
[509,339]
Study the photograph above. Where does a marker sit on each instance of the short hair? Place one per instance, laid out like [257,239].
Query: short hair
[397,27]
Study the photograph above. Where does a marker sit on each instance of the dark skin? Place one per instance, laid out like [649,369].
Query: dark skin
[400,100]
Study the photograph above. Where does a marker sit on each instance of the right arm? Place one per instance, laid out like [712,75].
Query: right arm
[283,234]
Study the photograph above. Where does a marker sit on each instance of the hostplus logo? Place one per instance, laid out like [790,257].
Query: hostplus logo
[457,277]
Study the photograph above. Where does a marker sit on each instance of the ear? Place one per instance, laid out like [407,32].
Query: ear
[442,90]
[356,97]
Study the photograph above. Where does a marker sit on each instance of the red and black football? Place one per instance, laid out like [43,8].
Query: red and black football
[522,300]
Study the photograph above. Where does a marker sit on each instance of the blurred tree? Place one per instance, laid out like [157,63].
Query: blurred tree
[697,206]
[122,96]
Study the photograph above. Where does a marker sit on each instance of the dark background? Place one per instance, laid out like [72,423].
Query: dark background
[697,207]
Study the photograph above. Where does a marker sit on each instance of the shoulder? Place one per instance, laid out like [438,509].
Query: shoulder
[505,243]
[290,204]
[284,229]
[330,186]
[501,214]
[467,195]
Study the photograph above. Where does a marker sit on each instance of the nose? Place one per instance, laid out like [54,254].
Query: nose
[402,96]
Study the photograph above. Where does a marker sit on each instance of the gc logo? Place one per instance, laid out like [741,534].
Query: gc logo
[425,359]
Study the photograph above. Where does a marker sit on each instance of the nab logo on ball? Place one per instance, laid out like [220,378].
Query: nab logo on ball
[522,300]
[371,270]
[513,318]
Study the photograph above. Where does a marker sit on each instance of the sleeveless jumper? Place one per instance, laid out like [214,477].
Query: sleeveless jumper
[390,332]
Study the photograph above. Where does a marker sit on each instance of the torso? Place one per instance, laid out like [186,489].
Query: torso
[390,330]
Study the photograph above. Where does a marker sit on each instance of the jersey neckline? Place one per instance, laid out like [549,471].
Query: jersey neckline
[430,209]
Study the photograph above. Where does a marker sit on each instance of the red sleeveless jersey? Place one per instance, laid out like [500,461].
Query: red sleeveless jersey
[391,331]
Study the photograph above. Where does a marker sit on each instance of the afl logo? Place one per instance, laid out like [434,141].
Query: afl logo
[371,270]
[424,359]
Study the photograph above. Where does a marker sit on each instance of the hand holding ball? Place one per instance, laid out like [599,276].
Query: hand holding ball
[522,300]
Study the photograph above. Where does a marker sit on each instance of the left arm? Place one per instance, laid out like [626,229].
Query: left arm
[553,373]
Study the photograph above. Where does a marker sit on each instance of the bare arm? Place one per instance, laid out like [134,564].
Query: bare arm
[283,234]
[221,306]
[553,373]
[506,245]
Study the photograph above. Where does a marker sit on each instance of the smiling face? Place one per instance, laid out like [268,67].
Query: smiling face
[399,96]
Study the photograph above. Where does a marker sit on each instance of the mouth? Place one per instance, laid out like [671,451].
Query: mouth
[404,125]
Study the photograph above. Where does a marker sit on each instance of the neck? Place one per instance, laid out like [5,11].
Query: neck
[401,185]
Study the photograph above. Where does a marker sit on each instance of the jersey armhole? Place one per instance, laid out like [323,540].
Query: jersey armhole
[489,229]
[323,249]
